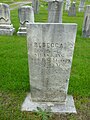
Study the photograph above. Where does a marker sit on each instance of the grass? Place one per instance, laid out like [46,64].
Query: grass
[14,77]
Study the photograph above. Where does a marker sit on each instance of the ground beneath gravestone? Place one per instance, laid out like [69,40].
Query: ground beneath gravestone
[11,105]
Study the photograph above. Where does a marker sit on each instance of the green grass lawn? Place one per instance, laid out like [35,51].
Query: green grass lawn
[14,77]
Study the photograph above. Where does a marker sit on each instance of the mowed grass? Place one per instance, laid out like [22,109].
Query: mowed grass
[14,76]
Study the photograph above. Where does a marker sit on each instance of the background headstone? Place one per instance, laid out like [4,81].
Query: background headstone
[26,15]
[35,5]
[72,10]
[67,5]
[50,53]
[81,6]
[55,9]
[6,28]
[86,24]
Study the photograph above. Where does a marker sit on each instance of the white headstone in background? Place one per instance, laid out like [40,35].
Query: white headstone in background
[72,10]
[81,6]
[35,5]
[6,28]
[26,15]
[55,9]
[67,5]
[86,24]
[50,53]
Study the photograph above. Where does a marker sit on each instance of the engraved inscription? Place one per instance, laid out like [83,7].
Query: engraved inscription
[50,54]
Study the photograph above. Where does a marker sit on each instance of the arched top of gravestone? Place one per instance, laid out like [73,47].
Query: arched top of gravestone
[26,14]
[4,14]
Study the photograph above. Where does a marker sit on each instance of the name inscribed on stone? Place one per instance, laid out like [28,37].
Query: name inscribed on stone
[50,54]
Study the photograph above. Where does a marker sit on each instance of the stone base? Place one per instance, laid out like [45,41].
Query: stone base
[68,107]
[22,31]
[6,30]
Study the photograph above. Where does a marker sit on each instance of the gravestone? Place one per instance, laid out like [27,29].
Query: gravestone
[50,53]
[81,6]
[6,28]
[86,24]
[55,9]
[35,5]
[26,15]
[72,10]
[67,5]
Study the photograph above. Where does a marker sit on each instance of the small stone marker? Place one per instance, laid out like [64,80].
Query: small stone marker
[86,24]
[35,5]
[68,4]
[26,15]
[72,10]
[81,6]
[6,28]
[50,53]
[55,11]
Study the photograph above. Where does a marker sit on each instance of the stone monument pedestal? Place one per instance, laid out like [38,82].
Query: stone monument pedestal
[22,31]
[26,15]
[6,30]
[55,107]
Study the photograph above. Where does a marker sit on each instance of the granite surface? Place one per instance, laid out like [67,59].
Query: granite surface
[55,10]
[50,53]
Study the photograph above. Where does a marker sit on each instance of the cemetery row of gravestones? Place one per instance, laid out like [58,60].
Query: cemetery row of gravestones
[26,15]
[50,53]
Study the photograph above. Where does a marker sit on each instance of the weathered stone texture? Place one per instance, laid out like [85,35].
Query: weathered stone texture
[26,15]
[72,10]
[55,12]
[50,51]
[6,28]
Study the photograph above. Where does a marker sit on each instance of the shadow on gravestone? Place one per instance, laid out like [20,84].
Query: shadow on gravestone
[26,15]
[6,28]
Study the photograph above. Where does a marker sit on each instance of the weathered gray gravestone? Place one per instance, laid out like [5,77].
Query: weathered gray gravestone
[55,11]
[35,5]
[50,53]
[72,10]
[6,28]
[67,5]
[86,24]
[81,6]
[26,15]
